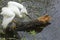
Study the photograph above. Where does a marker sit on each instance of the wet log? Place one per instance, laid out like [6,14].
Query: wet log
[38,23]
[35,24]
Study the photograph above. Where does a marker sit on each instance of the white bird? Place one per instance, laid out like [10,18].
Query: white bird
[11,11]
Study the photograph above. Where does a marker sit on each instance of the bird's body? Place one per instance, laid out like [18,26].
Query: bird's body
[15,10]
[11,11]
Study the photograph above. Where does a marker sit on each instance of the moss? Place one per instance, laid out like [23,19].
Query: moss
[33,32]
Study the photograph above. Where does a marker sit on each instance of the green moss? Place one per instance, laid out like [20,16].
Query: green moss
[33,32]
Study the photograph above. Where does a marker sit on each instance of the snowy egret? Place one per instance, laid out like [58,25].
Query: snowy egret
[11,11]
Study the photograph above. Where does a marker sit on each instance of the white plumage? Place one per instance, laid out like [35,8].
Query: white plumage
[18,5]
[8,16]
[11,11]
